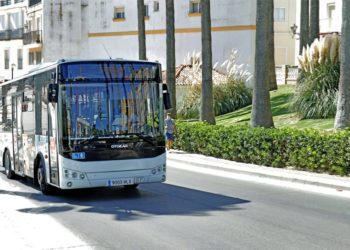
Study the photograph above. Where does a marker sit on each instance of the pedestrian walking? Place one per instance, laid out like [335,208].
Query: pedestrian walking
[170,130]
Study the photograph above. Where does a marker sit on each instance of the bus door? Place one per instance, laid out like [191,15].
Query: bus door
[17,133]
[53,143]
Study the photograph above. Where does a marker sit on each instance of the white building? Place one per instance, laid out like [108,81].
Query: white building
[330,16]
[88,29]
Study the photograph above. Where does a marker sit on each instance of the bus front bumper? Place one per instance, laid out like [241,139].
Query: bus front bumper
[76,180]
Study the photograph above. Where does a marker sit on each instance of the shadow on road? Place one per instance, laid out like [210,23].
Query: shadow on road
[149,200]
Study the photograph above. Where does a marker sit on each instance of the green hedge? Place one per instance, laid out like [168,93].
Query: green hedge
[312,150]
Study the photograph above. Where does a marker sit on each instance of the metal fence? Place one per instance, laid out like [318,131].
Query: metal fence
[32,37]
[11,34]
[287,74]
[33,2]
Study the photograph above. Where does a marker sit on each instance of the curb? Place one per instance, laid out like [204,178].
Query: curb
[292,176]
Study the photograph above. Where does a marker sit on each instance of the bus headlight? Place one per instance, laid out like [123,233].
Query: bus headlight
[70,174]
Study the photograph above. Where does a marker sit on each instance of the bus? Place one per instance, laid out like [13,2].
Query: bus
[85,123]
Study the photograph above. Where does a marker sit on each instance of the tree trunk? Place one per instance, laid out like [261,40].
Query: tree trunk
[342,118]
[272,65]
[207,103]
[304,25]
[170,54]
[314,20]
[261,110]
[141,29]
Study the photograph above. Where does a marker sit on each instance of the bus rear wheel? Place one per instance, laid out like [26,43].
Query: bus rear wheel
[45,188]
[10,174]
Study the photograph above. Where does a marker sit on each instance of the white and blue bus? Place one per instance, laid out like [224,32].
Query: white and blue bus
[84,124]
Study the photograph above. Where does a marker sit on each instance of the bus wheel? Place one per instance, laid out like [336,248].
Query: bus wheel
[7,165]
[131,187]
[41,178]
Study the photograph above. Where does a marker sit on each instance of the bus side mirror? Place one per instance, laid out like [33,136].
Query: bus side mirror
[53,93]
[166,97]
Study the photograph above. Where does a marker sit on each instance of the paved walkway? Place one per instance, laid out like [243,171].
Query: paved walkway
[340,184]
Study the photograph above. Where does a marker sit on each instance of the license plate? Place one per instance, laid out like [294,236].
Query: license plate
[120,182]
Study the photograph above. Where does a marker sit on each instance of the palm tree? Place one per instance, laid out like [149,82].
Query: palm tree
[314,20]
[304,25]
[207,106]
[170,53]
[342,118]
[141,29]
[272,65]
[261,110]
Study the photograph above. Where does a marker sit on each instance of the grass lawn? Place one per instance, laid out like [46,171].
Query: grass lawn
[282,116]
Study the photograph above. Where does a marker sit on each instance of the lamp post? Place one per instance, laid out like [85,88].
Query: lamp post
[13,66]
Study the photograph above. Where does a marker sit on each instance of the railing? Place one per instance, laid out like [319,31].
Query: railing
[286,74]
[32,37]
[33,2]
[5,2]
[11,34]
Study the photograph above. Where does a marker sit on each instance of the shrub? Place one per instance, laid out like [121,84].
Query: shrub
[317,89]
[228,97]
[229,87]
[311,150]
[316,93]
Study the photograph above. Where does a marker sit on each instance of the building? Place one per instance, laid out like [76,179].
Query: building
[285,17]
[330,16]
[89,29]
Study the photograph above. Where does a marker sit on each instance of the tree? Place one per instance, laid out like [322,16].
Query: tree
[170,53]
[342,118]
[314,31]
[261,110]
[272,65]
[141,29]
[304,25]
[207,106]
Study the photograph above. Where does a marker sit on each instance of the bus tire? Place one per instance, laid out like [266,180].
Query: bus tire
[44,187]
[131,187]
[10,174]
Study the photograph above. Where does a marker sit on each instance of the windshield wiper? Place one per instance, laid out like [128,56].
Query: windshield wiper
[141,136]
[91,139]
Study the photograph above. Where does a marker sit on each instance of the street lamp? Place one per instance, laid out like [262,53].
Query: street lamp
[293,30]
[13,66]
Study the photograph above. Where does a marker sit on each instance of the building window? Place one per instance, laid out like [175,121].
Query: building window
[5,2]
[195,7]
[7,58]
[38,57]
[119,13]
[146,11]
[2,22]
[19,59]
[279,14]
[155,6]
[31,58]
[331,14]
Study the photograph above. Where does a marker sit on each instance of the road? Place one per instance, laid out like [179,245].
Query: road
[195,211]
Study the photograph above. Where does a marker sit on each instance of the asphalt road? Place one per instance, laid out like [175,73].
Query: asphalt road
[197,211]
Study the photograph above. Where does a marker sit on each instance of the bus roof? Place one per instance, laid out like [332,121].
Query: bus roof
[50,65]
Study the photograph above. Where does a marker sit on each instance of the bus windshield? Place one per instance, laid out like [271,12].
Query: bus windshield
[93,110]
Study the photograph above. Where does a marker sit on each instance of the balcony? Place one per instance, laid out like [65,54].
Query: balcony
[11,34]
[32,37]
[33,2]
[5,3]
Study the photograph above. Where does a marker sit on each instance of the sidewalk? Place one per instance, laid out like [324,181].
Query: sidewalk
[341,184]
[25,225]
